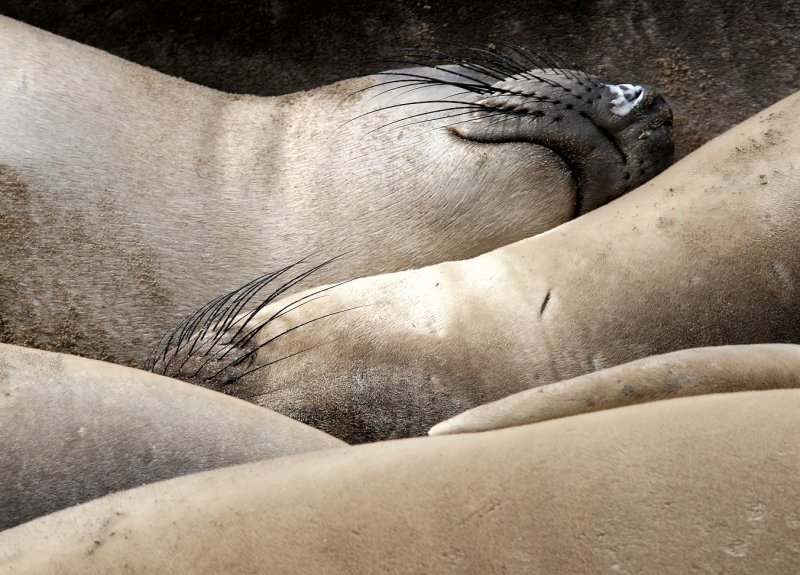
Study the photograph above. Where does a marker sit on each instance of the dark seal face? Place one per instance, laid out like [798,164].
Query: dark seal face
[613,136]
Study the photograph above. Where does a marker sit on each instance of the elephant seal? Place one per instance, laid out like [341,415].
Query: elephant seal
[705,370]
[75,429]
[128,198]
[702,484]
[704,254]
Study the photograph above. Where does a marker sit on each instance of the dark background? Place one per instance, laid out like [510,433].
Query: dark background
[718,62]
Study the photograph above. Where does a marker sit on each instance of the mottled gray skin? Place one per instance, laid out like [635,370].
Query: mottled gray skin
[704,254]
[128,198]
[75,429]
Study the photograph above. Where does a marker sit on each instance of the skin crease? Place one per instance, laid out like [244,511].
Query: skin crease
[129,198]
[704,254]
[697,371]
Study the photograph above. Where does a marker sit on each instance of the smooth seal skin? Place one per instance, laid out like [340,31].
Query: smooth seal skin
[700,371]
[693,485]
[704,254]
[128,198]
[75,429]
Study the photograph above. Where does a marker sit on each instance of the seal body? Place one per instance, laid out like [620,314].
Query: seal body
[703,255]
[128,198]
[698,371]
[76,429]
[636,489]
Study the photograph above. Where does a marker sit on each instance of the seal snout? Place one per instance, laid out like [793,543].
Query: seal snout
[648,139]
[612,136]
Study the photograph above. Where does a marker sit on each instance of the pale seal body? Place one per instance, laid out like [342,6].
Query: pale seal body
[705,484]
[704,254]
[128,198]
[75,429]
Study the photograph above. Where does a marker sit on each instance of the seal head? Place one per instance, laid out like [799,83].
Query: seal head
[613,137]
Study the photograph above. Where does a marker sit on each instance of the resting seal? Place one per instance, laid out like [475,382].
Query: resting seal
[704,254]
[703,484]
[75,429]
[705,370]
[128,198]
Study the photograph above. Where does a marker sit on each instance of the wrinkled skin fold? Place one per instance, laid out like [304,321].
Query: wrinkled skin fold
[684,373]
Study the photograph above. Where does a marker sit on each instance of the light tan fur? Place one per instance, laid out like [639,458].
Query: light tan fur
[128,198]
[704,254]
[692,485]
[699,371]
[75,429]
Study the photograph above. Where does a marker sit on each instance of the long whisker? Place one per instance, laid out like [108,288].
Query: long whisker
[272,339]
[470,108]
[233,380]
[233,343]
[220,311]
[199,335]
[471,69]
